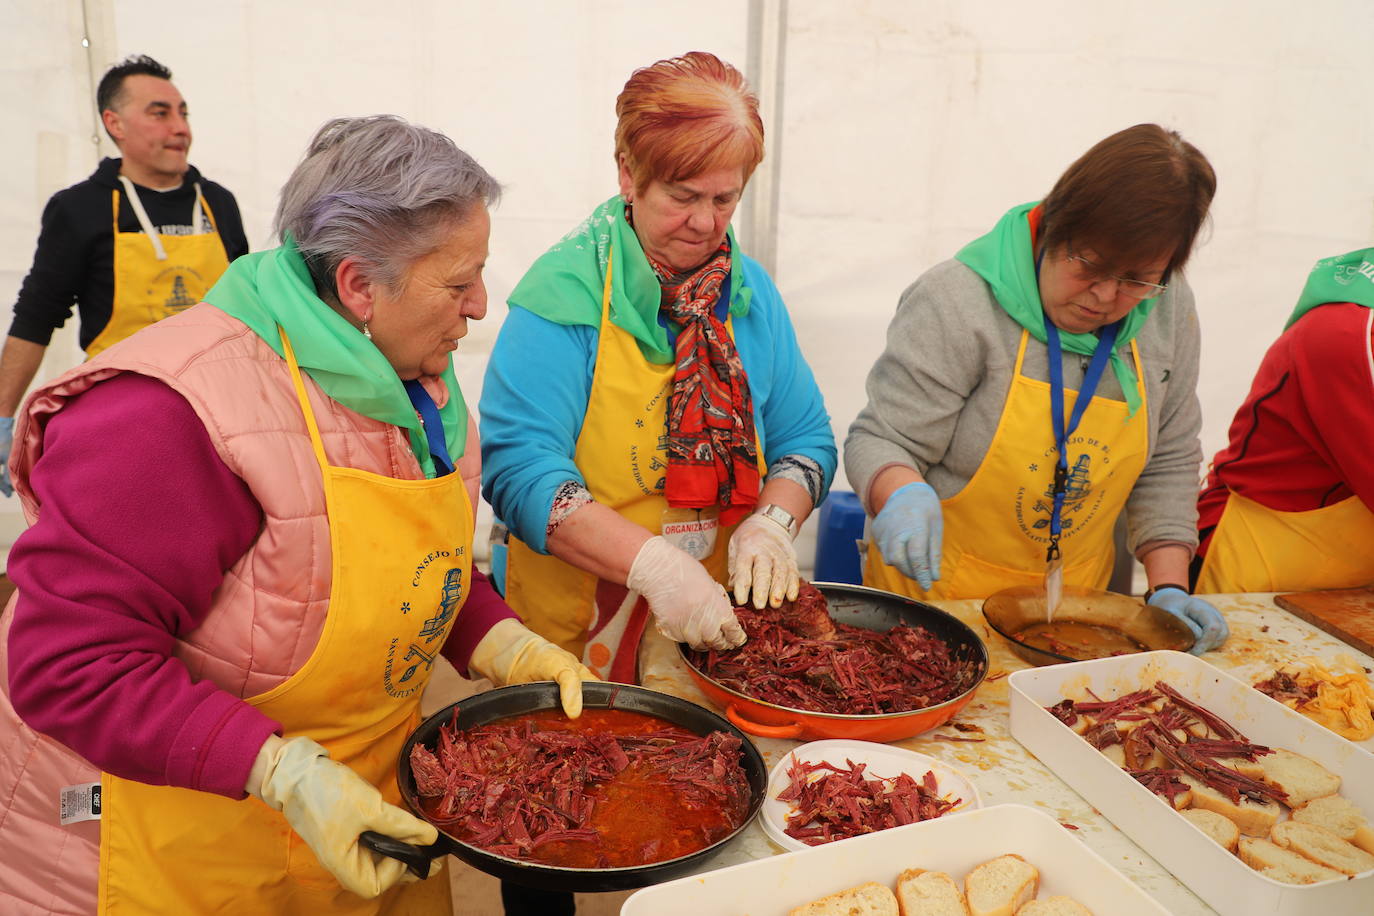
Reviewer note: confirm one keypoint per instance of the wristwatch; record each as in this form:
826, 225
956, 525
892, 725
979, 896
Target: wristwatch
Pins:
781, 516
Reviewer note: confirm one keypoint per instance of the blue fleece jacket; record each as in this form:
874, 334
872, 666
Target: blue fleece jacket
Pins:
539, 378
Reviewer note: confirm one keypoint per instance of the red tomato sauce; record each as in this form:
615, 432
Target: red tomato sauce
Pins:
659, 807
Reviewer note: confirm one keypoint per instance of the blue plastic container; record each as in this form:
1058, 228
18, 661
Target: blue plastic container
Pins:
841, 527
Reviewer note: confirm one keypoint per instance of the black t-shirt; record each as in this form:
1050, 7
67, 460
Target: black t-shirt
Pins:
74, 262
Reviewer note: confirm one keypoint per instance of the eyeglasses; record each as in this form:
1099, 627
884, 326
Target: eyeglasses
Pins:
1135, 289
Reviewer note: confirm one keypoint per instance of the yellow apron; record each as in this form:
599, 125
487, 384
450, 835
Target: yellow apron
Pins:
997, 526
401, 566
623, 455
1258, 549
155, 275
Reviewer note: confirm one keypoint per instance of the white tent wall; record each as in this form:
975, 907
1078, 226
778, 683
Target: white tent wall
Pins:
907, 129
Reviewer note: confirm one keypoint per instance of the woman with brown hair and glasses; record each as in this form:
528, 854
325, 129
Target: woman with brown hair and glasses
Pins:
976, 457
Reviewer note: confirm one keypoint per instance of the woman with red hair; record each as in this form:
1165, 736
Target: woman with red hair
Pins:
652, 429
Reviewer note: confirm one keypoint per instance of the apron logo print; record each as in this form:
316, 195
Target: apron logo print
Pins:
1079, 485
179, 300
422, 650
425, 658
451, 596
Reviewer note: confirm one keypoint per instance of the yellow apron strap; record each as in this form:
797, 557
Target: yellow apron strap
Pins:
315, 440
1021, 353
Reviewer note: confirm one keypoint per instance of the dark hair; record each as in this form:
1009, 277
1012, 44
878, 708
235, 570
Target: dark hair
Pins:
1136, 196
111, 88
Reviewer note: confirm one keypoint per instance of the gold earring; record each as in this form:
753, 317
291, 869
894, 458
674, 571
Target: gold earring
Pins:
366, 332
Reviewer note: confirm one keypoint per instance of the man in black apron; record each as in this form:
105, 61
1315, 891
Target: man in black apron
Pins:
143, 238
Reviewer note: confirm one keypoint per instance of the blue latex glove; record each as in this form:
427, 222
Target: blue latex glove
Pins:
6, 443
910, 531
1206, 622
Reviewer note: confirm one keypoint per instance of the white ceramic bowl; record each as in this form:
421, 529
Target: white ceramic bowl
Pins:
881, 760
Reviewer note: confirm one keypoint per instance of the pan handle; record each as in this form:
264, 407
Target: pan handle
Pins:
759, 729
417, 858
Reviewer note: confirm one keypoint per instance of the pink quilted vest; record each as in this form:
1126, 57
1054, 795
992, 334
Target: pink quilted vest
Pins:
266, 616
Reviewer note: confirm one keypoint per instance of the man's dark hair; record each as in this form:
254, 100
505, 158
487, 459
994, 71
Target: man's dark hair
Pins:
112, 83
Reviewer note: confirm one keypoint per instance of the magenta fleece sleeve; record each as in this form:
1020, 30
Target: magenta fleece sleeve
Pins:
127, 552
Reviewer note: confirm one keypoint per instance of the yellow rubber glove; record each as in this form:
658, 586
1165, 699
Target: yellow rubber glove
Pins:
329, 805
511, 653
761, 558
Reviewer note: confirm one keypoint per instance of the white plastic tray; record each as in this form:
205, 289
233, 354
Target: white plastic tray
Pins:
883, 762
773, 886
1215, 875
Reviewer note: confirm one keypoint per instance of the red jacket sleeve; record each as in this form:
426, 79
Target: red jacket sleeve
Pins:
1335, 377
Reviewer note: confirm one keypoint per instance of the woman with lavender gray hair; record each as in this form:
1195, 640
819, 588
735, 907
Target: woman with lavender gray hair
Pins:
251, 530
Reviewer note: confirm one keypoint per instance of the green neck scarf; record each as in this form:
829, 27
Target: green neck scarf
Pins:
1005, 258
272, 288
565, 285
1344, 278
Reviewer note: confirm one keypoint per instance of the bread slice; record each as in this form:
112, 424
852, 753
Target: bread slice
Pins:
871, 899
1281, 864
1341, 816
1323, 847
1058, 905
1253, 818
1116, 754
1000, 887
1300, 778
1250, 768
929, 893
1217, 826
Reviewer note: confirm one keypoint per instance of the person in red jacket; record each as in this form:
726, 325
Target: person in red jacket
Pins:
1287, 505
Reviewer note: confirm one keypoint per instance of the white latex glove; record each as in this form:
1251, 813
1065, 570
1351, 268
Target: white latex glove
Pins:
329, 805
688, 605
510, 653
761, 558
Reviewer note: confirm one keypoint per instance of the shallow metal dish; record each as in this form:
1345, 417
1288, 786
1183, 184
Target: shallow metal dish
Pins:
1013, 611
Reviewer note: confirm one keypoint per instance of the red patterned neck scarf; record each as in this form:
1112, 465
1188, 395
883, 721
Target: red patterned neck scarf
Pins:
712, 458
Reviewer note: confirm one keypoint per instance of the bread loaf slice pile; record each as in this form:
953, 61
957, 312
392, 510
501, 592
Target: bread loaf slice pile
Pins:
1004, 886
1279, 811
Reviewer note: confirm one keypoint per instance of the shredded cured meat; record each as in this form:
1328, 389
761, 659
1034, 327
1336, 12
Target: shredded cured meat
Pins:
1160, 724
797, 656
610, 789
843, 802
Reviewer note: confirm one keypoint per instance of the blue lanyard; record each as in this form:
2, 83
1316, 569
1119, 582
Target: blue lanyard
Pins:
1101, 355
434, 426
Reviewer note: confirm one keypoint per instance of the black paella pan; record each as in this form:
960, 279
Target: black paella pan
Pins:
505, 702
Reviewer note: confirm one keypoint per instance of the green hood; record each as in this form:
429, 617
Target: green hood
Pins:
1005, 258
566, 283
1345, 278
270, 289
